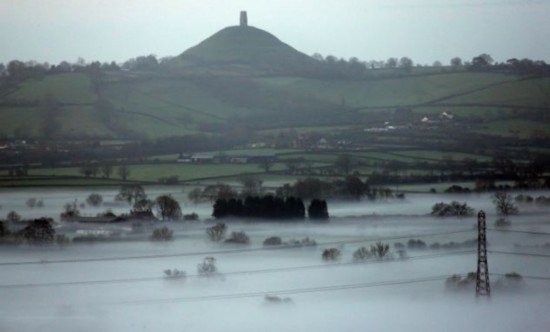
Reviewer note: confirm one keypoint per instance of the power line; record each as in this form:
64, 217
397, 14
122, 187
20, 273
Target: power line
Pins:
525, 277
223, 252
261, 271
517, 231
518, 253
331, 288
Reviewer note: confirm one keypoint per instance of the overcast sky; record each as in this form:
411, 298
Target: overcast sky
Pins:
424, 30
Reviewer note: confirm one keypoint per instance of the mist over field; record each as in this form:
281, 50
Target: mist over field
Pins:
116, 286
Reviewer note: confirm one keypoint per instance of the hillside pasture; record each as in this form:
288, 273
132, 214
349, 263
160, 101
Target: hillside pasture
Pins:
75, 88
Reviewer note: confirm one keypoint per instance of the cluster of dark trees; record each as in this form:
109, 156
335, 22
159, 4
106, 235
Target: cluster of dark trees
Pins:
37, 231
269, 207
351, 187
452, 209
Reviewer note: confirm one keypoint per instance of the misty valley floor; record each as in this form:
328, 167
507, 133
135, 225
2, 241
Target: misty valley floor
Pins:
120, 286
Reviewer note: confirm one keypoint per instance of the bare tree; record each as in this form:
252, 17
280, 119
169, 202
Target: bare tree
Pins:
504, 203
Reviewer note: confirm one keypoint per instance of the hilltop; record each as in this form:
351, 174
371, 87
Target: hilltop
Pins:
246, 48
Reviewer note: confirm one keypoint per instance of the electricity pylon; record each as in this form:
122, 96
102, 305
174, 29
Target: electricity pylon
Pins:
482, 279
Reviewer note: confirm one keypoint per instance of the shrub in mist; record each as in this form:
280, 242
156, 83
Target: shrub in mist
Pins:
191, 217
39, 231
13, 216
106, 214
174, 274
305, 242
416, 244
207, 267
453, 209
381, 251
216, 233
33, 202
273, 241
510, 281
458, 282
238, 237
94, 200
331, 254
71, 211
162, 234
362, 254
274, 299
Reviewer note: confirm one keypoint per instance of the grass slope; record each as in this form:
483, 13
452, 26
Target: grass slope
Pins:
66, 88
244, 45
155, 106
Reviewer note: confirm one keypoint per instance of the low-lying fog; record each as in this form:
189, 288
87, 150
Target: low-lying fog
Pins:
120, 286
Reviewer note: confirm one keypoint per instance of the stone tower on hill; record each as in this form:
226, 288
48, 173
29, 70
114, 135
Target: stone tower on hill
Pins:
244, 19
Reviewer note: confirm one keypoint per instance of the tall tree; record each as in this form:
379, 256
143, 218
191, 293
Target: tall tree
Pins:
168, 208
391, 63
456, 62
504, 204
406, 63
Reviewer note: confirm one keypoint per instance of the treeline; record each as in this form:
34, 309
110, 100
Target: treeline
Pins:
484, 62
329, 67
18, 70
351, 188
269, 207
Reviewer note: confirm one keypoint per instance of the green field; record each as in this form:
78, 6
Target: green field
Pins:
154, 106
152, 172
66, 88
388, 92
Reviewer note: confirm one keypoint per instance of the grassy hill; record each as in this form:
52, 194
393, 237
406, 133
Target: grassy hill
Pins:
160, 106
242, 49
245, 45
245, 78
